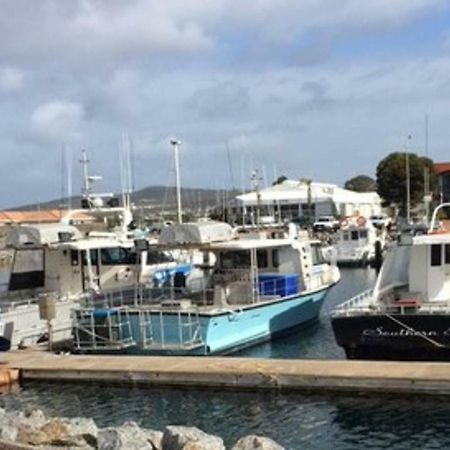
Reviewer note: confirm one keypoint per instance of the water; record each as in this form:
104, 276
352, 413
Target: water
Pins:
295, 420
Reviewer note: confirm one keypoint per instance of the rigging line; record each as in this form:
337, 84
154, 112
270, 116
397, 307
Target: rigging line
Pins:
416, 333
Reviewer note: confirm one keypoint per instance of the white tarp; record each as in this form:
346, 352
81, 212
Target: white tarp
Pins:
196, 233
43, 234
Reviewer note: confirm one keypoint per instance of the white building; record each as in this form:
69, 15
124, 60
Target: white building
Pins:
291, 199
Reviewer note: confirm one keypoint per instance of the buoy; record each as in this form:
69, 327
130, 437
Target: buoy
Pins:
361, 221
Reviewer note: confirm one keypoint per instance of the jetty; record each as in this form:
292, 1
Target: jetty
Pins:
231, 372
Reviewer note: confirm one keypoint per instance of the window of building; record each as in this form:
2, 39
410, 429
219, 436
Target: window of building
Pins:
355, 235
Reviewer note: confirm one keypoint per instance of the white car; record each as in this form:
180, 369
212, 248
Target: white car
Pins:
326, 223
380, 220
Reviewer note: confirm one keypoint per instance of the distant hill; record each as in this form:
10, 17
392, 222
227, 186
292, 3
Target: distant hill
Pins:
164, 197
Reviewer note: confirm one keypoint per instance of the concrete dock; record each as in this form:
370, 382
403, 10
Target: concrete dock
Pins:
233, 373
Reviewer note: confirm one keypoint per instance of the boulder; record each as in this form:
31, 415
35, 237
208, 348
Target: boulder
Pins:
253, 442
190, 438
126, 437
155, 438
82, 428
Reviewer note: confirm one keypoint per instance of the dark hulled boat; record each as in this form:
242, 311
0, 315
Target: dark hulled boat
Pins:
407, 314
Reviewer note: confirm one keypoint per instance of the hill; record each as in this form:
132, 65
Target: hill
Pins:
155, 197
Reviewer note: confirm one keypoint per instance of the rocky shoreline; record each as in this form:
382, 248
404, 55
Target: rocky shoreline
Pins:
32, 430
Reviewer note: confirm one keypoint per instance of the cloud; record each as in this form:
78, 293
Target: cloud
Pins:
221, 100
11, 79
88, 31
57, 121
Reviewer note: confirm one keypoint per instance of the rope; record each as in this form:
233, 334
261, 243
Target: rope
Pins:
416, 333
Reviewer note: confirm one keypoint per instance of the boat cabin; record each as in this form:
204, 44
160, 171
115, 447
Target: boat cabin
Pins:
58, 258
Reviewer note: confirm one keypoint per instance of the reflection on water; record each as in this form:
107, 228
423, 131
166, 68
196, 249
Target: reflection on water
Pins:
295, 420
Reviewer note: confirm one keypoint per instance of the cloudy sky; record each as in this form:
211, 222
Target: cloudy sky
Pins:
303, 88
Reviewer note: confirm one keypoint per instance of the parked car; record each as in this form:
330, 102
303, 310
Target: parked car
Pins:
326, 223
380, 220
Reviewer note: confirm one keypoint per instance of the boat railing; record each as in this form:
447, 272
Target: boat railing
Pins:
102, 329
356, 304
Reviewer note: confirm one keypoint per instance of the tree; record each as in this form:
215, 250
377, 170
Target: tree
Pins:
361, 183
279, 180
391, 179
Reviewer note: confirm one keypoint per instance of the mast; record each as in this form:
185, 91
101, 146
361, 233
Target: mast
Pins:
175, 143
408, 183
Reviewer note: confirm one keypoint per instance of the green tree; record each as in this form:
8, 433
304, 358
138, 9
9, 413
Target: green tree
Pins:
361, 183
391, 179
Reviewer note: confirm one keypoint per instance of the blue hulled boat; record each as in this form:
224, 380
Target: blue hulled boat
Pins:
257, 287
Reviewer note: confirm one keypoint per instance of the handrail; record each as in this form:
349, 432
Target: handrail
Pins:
433, 217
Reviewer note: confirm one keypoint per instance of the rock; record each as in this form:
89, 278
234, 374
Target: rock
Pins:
127, 437
82, 428
8, 431
190, 438
8, 426
34, 418
253, 442
155, 438
53, 432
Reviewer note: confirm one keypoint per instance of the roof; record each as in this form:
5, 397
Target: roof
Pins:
441, 168
44, 216
291, 190
248, 244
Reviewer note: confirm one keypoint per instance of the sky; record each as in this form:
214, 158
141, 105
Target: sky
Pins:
319, 89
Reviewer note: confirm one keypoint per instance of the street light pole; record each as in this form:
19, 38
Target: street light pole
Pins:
175, 145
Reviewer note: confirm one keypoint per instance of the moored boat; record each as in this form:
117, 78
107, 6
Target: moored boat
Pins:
358, 241
258, 287
406, 316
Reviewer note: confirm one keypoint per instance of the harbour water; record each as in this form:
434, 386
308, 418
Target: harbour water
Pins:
295, 420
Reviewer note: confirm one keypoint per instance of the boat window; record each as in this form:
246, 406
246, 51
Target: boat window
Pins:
233, 260
436, 255
157, 257
447, 254
317, 255
275, 258
363, 234
345, 235
262, 258
74, 257
355, 235
28, 270
94, 257
117, 256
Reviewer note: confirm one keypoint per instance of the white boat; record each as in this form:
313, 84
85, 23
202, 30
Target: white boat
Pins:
406, 316
59, 263
258, 287
356, 242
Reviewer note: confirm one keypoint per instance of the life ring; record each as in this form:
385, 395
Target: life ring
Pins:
343, 221
361, 221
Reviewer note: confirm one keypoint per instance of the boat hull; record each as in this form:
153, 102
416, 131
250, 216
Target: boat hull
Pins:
221, 332
397, 337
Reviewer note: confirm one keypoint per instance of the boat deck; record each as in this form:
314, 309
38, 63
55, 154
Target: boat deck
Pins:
234, 373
